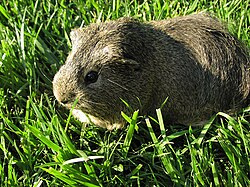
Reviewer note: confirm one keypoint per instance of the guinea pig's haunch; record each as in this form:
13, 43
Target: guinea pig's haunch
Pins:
191, 60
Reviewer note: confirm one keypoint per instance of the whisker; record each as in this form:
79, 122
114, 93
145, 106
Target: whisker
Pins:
118, 84
100, 70
90, 102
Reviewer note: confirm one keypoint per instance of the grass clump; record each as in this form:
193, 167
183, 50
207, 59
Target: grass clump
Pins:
42, 145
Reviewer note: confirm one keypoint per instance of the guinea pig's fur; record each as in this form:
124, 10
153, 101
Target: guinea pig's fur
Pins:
191, 60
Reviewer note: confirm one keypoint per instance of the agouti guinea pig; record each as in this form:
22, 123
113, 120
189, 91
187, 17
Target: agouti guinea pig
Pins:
191, 60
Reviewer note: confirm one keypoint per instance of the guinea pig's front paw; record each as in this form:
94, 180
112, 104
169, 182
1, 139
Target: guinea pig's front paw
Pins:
114, 126
82, 117
86, 118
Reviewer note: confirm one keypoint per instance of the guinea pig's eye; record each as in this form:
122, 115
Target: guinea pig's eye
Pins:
91, 77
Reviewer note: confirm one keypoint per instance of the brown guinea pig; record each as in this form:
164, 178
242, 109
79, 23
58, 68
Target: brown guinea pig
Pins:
191, 60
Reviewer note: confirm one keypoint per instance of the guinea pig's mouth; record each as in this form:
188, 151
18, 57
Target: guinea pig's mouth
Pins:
90, 112
89, 119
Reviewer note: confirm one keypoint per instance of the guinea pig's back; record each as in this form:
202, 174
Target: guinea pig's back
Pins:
218, 78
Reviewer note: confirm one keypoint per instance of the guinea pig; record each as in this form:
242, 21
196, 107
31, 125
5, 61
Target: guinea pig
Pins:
191, 60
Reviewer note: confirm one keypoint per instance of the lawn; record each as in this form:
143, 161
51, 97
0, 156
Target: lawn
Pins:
43, 145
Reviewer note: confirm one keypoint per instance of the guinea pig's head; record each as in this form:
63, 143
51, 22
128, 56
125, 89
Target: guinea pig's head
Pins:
109, 62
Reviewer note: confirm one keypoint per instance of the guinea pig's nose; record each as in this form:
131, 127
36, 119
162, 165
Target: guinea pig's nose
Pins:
64, 101
62, 96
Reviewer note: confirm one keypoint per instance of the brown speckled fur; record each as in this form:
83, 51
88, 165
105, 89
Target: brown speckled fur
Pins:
192, 60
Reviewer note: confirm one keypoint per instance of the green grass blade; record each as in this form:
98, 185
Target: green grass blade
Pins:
43, 138
4, 12
130, 133
172, 172
161, 123
136, 170
204, 131
69, 180
215, 174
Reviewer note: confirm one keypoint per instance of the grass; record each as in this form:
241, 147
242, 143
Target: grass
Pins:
42, 145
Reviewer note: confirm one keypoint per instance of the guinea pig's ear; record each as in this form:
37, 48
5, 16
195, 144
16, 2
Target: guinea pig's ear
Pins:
75, 36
